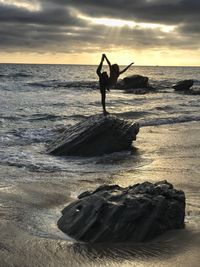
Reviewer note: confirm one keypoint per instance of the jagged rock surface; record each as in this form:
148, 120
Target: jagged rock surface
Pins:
95, 136
183, 85
115, 214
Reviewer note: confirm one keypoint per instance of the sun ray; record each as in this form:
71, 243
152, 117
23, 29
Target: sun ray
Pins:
118, 23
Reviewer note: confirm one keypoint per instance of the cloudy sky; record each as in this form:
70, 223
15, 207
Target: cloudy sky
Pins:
148, 32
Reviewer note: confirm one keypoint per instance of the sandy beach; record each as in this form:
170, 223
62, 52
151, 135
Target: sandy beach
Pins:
29, 210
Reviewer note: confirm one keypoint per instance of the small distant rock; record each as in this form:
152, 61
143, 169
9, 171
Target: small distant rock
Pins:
95, 136
183, 85
115, 214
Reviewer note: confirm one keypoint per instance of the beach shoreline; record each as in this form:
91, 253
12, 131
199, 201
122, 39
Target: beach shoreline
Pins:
29, 210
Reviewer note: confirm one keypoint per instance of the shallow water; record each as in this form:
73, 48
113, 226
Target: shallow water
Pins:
36, 104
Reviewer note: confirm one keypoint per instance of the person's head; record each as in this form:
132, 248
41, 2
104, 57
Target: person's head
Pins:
104, 75
115, 68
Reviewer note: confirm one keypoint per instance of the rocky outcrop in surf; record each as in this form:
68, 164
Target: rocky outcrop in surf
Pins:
136, 81
95, 136
184, 85
115, 214
137, 84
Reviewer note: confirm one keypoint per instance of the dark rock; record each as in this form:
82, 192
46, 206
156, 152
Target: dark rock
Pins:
138, 91
192, 92
195, 90
120, 85
183, 85
136, 81
115, 214
135, 84
94, 136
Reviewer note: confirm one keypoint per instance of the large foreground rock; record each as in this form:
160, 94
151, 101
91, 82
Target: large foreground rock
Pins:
183, 85
94, 136
115, 214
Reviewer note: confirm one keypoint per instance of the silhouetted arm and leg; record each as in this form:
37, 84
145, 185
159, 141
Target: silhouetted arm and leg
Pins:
108, 62
102, 83
98, 71
103, 101
122, 71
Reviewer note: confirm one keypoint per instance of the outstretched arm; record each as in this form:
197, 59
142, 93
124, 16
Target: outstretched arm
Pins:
98, 71
122, 71
107, 60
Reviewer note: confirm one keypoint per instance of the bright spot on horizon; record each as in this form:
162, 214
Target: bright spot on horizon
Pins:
34, 6
118, 23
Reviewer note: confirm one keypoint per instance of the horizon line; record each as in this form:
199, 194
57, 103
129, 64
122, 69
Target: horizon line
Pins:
83, 64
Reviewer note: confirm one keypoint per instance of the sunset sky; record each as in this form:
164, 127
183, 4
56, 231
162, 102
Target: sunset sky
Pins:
148, 32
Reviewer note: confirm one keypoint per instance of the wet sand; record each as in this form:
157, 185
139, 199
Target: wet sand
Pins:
29, 210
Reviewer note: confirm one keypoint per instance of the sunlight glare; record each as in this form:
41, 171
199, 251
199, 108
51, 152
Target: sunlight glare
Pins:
131, 24
113, 22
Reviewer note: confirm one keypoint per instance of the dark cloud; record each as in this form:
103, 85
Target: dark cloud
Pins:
56, 27
50, 16
165, 12
51, 28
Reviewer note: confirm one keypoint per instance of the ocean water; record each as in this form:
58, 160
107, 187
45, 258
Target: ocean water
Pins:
36, 103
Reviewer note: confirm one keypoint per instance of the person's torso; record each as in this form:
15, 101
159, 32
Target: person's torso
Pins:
104, 82
112, 81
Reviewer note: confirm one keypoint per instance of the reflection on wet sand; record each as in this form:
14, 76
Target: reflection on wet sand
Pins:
29, 211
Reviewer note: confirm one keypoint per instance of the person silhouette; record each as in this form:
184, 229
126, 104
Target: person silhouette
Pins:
103, 84
115, 72
106, 82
